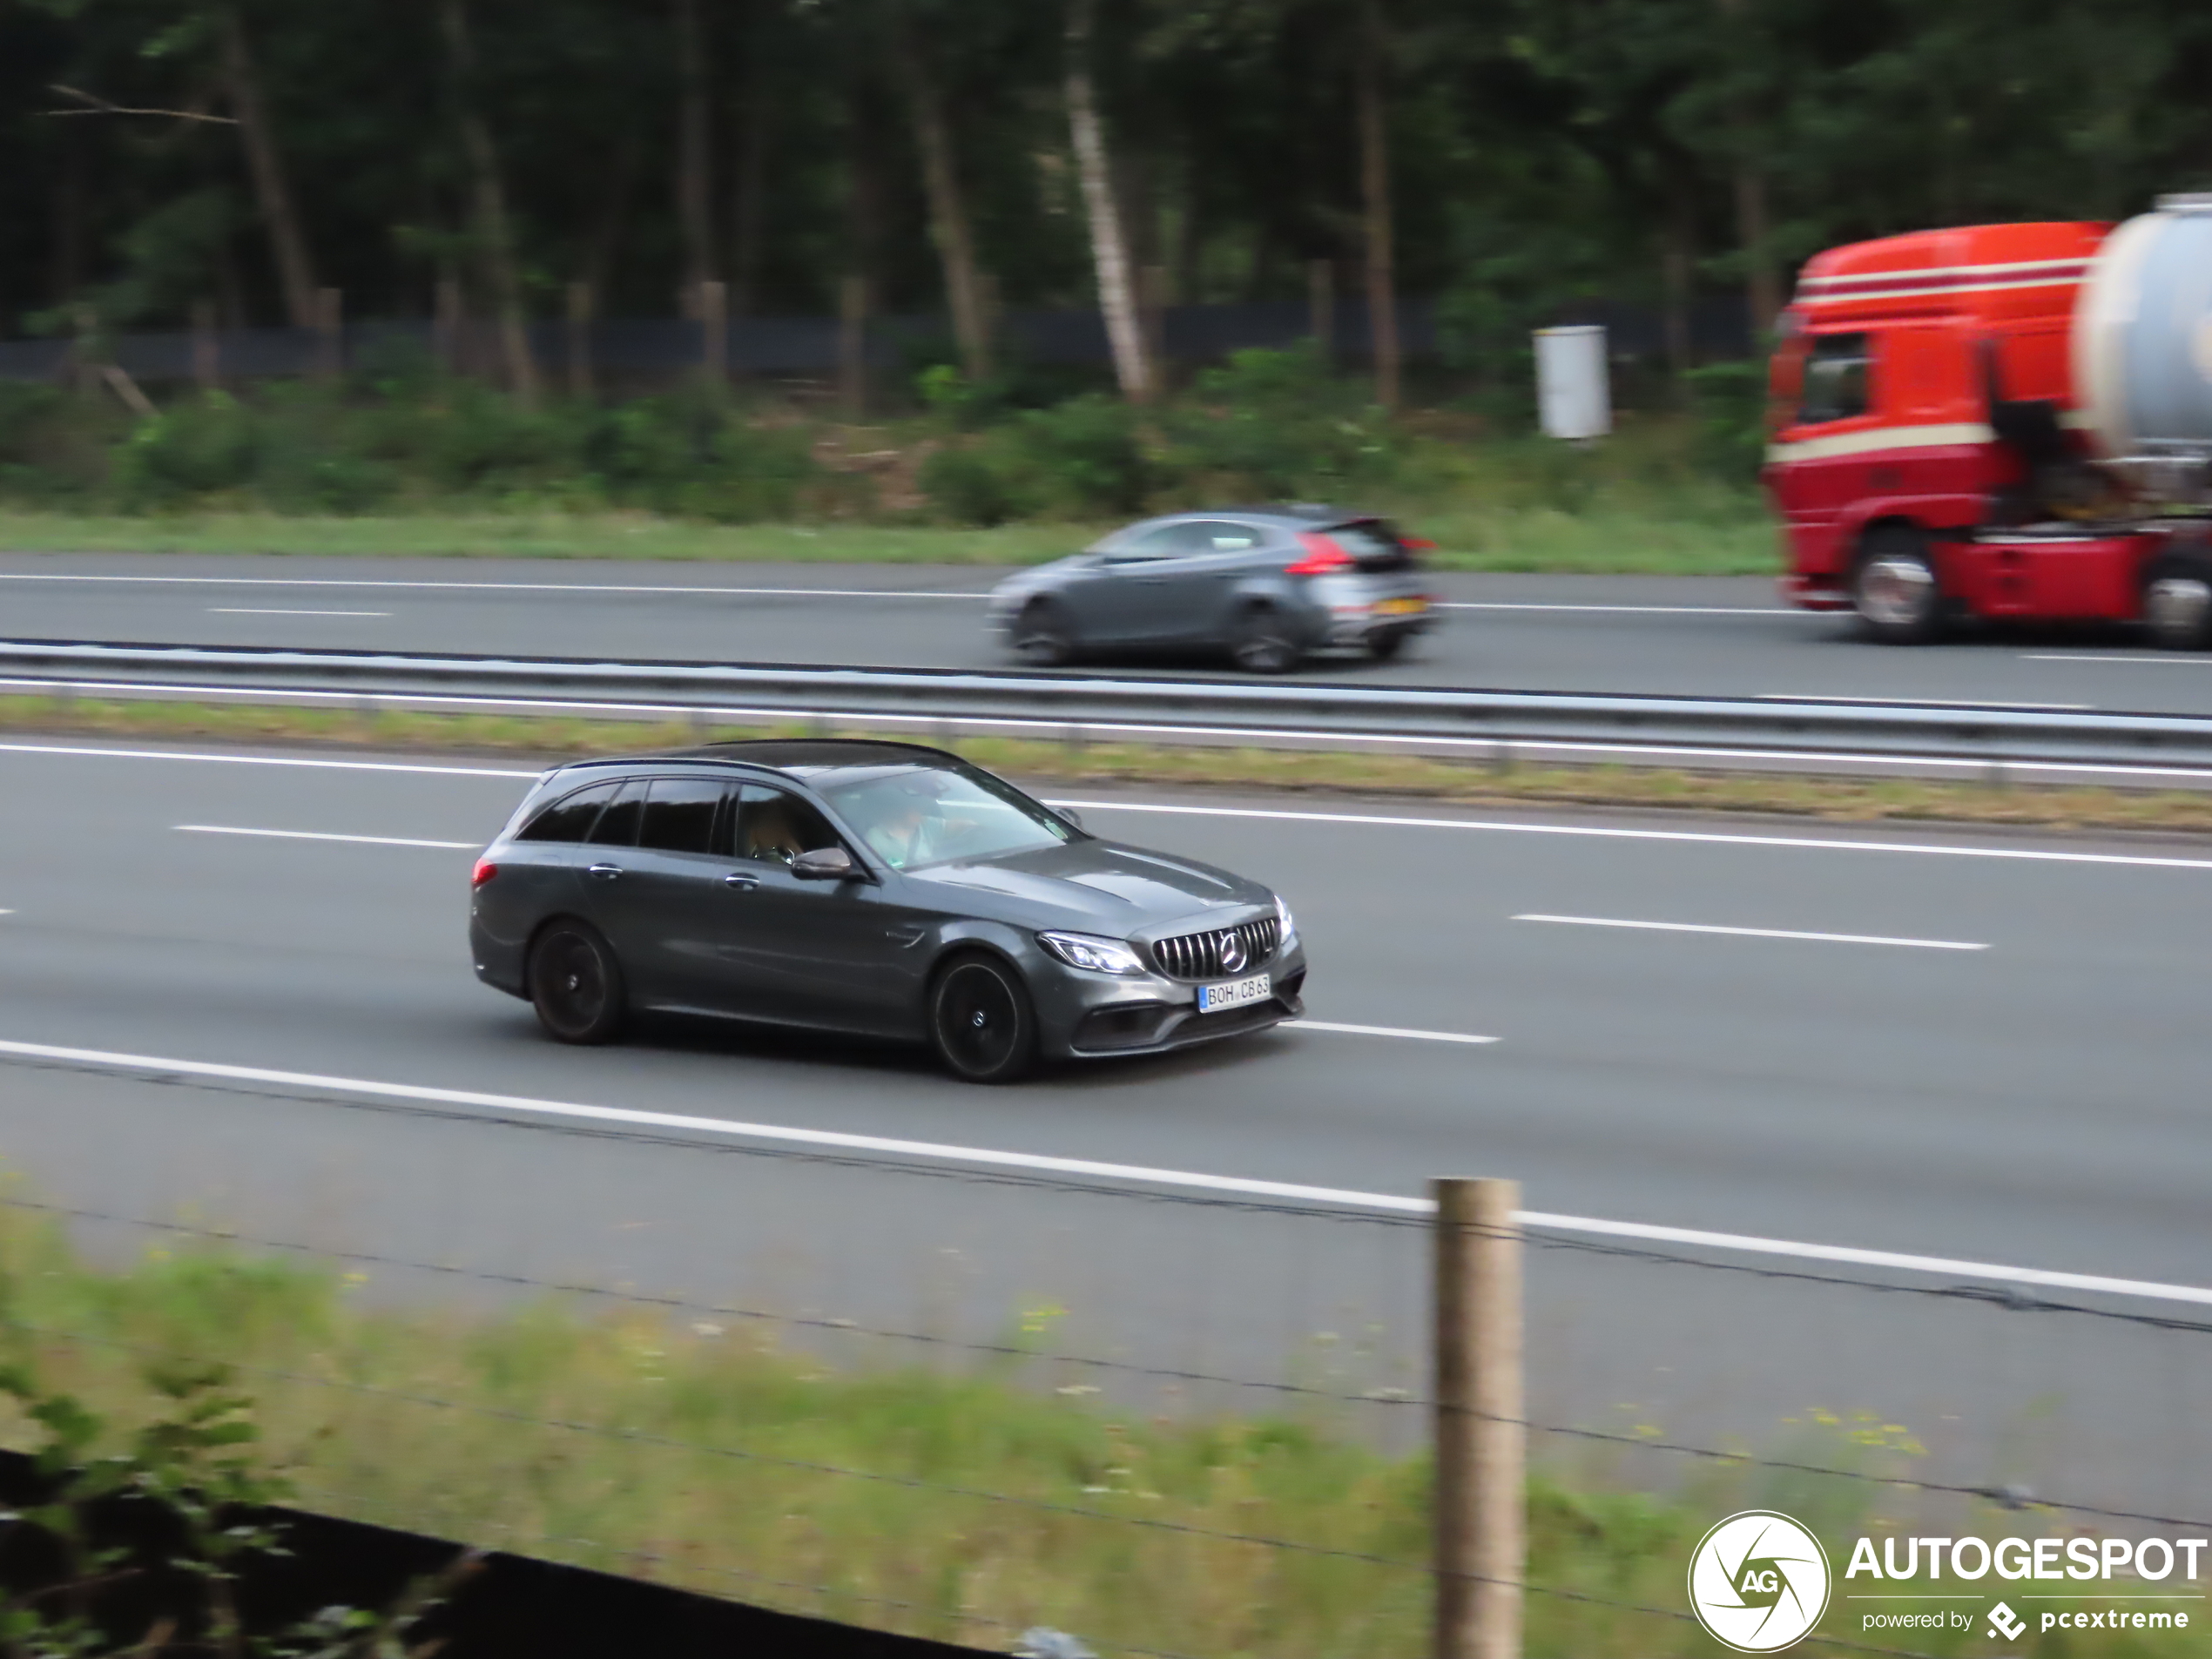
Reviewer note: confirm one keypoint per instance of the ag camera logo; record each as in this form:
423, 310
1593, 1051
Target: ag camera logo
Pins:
1758, 1581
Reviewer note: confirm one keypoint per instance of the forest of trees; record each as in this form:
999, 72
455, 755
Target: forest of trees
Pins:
1510, 158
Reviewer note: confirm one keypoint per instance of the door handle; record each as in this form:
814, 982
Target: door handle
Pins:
604, 871
742, 883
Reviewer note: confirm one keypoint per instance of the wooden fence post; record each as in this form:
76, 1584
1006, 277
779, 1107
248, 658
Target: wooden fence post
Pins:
1481, 1452
445, 327
1321, 304
330, 332
852, 346
714, 332
577, 344
206, 347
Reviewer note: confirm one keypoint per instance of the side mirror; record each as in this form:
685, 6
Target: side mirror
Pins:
825, 864
1073, 818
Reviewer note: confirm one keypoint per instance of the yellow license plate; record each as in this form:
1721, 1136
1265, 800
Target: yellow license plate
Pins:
1401, 607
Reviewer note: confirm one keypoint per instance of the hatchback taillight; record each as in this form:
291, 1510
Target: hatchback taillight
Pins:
1322, 556
485, 870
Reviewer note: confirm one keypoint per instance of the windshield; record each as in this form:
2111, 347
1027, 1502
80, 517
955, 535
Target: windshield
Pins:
913, 815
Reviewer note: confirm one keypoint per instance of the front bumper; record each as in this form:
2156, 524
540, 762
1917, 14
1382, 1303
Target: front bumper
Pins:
1085, 1017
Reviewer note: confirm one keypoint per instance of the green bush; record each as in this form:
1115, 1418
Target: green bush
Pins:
1085, 455
1729, 402
1277, 424
969, 487
195, 449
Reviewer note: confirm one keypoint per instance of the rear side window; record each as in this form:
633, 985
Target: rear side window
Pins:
1838, 379
569, 818
775, 828
679, 814
617, 826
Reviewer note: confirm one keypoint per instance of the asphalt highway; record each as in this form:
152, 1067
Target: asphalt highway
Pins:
1690, 636
1972, 1046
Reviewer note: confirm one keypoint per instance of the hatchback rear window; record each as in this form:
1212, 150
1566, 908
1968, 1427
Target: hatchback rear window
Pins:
1370, 539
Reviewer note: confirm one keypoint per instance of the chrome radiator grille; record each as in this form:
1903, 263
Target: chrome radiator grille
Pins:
1204, 955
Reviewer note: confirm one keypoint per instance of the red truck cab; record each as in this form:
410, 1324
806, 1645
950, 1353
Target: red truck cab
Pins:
1927, 455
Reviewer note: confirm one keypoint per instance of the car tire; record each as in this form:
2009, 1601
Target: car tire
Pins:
2177, 601
1389, 646
982, 1021
1261, 642
1894, 589
1043, 636
576, 983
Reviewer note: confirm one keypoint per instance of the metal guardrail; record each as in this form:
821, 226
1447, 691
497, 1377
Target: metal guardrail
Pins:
1076, 702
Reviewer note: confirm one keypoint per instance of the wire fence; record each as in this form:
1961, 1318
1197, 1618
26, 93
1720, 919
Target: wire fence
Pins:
1173, 1421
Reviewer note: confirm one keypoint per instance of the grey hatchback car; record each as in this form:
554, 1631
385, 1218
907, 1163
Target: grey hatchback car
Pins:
1267, 585
881, 888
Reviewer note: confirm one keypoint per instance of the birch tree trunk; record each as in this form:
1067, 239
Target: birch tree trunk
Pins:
693, 176
1109, 254
1375, 202
272, 190
489, 205
949, 223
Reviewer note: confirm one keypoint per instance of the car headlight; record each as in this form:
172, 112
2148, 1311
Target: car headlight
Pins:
1090, 952
1290, 925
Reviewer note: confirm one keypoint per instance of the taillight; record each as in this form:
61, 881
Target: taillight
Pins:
485, 870
1417, 543
1323, 556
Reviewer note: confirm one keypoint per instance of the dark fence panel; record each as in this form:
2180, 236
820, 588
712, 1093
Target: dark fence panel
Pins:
660, 349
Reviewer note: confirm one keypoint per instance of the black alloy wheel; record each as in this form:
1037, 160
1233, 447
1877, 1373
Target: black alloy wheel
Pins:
1261, 643
982, 1021
1893, 587
576, 983
2177, 601
1043, 638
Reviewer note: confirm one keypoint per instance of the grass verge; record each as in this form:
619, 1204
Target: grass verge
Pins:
545, 739
963, 1506
1527, 538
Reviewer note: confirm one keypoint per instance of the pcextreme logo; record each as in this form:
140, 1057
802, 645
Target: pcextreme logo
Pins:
1758, 1581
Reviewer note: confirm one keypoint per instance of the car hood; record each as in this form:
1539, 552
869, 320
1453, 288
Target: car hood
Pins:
1038, 576
1090, 886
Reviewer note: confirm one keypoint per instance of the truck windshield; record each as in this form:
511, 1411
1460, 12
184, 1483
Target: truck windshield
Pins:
1835, 379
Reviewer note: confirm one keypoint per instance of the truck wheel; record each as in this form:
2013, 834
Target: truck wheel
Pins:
1894, 589
2177, 603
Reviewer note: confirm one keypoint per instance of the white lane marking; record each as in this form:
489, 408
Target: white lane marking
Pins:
1386, 1031
1753, 933
273, 611
1823, 758
1919, 702
2178, 659
323, 835
492, 587
1391, 1203
1608, 833
1633, 611
263, 760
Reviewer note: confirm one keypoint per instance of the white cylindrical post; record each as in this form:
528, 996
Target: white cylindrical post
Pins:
1574, 397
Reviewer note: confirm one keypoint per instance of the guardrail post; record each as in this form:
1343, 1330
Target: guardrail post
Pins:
1481, 1452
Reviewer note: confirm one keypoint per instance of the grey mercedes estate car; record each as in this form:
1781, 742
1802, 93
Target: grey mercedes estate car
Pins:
1269, 586
882, 889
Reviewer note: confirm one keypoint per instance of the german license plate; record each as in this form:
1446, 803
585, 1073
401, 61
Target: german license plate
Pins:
1236, 993
1401, 607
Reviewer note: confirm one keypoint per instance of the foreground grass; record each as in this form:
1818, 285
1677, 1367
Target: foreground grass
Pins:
963, 1506
544, 739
